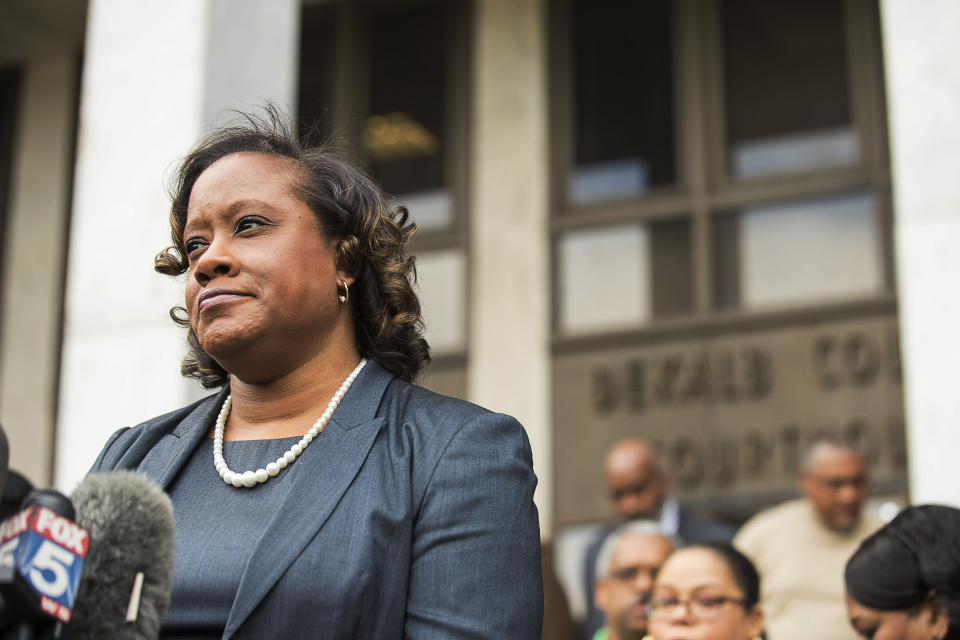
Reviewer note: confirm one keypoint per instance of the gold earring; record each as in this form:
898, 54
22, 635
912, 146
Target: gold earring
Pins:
344, 297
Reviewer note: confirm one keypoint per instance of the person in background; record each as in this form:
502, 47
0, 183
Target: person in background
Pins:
801, 546
708, 591
639, 489
626, 568
903, 582
14, 486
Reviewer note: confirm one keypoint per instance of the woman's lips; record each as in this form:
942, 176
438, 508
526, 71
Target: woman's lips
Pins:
213, 298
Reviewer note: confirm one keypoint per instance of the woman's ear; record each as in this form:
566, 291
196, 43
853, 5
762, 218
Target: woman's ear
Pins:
346, 251
345, 277
935, 619
755, 622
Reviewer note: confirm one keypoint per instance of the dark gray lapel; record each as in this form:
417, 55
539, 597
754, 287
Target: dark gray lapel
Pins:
165, 459
331, 462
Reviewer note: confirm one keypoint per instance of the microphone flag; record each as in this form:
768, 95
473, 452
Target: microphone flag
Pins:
41, 560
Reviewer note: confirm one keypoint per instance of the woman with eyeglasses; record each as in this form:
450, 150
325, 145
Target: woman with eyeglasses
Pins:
707, 591
903, 583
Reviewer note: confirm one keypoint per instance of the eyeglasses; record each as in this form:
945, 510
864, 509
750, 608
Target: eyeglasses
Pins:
629, 574
836, 484
700, 607
622, 492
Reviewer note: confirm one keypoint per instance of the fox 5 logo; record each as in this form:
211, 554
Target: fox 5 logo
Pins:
48, 551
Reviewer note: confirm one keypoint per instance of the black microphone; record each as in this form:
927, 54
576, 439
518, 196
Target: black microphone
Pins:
42, 553
128, 573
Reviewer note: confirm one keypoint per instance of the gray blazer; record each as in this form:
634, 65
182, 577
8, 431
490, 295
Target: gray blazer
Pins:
416, 520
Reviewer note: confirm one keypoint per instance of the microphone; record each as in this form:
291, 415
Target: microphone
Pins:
42, 553
128, 575
109, 574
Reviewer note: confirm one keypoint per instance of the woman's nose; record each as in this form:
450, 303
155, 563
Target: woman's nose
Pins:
216, 260
681, 614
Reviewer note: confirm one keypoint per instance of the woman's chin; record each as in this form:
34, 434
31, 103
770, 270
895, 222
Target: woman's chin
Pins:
227, 346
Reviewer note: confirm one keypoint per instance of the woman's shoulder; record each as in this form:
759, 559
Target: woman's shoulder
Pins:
450, 444
127, 441
431, 419
409, 399
415, 406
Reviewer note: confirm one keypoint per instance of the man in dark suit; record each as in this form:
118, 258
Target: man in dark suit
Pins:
639, 487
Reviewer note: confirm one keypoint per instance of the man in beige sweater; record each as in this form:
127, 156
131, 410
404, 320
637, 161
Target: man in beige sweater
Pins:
800, 547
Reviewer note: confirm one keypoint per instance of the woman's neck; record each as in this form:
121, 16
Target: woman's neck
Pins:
289, 405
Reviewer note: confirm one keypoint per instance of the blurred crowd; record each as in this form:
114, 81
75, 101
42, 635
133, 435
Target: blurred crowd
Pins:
819, 566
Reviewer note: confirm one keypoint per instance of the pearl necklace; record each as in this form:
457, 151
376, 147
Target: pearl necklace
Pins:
253, 478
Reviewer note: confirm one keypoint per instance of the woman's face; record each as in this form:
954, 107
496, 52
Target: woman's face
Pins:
262, 280
927, 622
695, 598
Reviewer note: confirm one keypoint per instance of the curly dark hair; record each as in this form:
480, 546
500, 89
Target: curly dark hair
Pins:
373, 232
915, 554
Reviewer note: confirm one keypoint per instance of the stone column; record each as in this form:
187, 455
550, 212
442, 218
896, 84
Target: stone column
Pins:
157, 74
922, 50
33, 261
509, 345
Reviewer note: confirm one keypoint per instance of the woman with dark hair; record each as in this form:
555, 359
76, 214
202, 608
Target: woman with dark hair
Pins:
319, 493
903, 583
706, 591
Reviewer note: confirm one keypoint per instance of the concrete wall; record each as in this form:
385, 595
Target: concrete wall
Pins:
923, 88
33, 262
157, 74
509, 356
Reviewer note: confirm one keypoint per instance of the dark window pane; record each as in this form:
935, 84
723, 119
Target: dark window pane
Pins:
623, 99
317, 64
401, 103
726, 261
672, 276
785, 78
405, 136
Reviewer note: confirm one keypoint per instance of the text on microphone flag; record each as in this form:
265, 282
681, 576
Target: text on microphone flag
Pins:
64, 532
48, 551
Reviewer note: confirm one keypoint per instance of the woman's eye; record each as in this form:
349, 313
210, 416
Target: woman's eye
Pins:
193, 245
664, 601
249, 222
710, 601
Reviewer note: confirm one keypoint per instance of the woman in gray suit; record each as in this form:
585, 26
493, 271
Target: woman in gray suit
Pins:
320, 494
